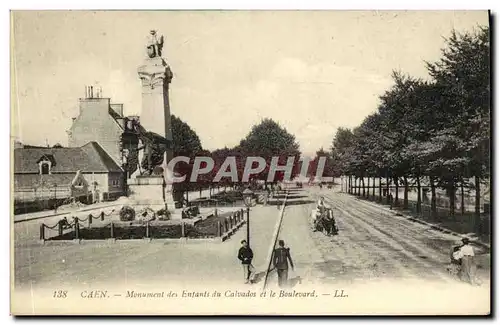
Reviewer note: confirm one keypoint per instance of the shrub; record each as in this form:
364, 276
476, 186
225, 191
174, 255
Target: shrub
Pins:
163, 215
127, 213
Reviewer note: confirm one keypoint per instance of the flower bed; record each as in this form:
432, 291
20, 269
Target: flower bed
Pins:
211, 227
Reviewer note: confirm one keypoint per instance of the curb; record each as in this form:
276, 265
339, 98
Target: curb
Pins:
232, 231
432, 226
275, 238
67, 213
143, 240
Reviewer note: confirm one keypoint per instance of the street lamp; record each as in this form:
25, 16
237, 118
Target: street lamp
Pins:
247, 199
55, 197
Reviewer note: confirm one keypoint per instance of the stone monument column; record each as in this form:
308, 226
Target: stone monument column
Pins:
155, 76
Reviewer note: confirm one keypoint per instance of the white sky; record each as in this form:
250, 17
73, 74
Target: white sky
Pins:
310, 71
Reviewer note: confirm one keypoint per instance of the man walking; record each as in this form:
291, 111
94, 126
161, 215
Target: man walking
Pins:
245, 255
281, 257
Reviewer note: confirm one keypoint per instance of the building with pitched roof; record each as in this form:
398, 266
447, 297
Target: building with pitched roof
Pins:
102, 145
49, 173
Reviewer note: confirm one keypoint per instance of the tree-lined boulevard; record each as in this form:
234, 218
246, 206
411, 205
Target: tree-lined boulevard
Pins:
372, 243
401, 182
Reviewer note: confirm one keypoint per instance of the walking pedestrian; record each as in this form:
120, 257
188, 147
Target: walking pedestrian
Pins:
281, 257
466, 256
245, 255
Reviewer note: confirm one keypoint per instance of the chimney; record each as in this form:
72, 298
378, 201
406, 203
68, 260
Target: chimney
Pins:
93, 92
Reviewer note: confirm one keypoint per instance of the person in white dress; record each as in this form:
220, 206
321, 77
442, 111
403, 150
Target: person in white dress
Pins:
466, 257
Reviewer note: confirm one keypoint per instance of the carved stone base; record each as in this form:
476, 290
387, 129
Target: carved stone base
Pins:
149, 191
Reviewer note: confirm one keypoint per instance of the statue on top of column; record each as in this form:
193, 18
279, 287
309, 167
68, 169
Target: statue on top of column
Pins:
155, 44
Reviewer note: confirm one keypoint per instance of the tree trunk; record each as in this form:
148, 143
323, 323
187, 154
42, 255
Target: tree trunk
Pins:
451, 191
380, 188
419, 195
349, 185
373, 190
433, 197
363, 184
368, 188
387, 188
405, 199
396, 198
462, 203
477, 208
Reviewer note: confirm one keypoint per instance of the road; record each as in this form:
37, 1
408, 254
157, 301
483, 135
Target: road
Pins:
383, 263
371, 244
136, 262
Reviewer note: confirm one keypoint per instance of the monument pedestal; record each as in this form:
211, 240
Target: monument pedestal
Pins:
149, 192
155, 75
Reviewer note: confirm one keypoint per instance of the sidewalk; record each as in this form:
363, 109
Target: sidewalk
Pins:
262, 227
401, 213
52, 213
191, 264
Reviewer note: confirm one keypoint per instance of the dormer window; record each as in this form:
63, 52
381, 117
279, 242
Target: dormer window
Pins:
45, 167
45, 164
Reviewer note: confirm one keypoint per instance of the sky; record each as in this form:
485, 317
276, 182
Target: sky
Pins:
310, 71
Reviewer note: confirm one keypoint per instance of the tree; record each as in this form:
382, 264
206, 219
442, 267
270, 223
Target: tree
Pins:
185, 143
438, 129
185, 140
329, 169
267, 140
463, 73
342, 149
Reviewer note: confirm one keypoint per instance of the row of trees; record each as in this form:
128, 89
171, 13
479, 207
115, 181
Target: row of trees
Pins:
267, 139
433, 133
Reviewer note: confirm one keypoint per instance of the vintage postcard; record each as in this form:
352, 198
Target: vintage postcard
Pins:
250, 162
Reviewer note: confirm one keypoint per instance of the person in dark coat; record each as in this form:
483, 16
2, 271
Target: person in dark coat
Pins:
245, 255
281, 256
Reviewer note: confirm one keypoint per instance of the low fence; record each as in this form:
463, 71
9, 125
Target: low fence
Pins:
442, 201
76, 224
37, 205
31, 194
214, 226
51, 203
231, 224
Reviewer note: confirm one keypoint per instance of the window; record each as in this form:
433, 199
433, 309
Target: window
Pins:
44, 168
115, 182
